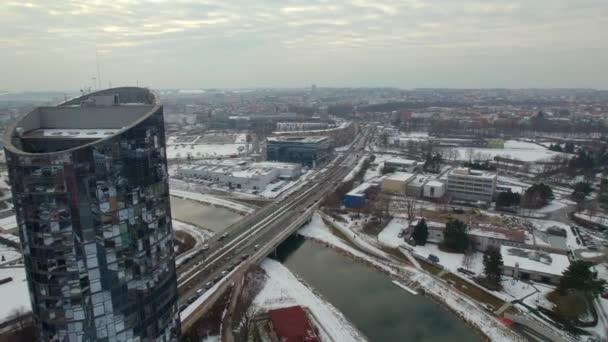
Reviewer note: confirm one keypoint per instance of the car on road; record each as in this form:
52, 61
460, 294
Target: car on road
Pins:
208, 285
433, 258
205, 247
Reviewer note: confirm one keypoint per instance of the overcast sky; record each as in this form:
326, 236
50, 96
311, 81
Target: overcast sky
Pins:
51, 45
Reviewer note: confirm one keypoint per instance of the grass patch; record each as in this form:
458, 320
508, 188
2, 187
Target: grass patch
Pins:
473, 291
429, 267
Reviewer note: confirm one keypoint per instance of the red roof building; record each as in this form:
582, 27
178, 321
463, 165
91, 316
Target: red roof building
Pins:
291, 324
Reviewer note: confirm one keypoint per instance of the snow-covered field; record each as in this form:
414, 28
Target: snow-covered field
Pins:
209, 199
520, 150
283, 289
389, 235
14, 294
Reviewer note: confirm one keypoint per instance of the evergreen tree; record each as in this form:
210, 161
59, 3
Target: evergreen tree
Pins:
421, 233
492, 262
579, 277
455, 237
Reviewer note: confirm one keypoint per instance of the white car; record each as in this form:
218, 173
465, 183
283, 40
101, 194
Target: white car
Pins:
205, 247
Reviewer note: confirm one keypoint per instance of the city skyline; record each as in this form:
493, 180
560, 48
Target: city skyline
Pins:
358, 43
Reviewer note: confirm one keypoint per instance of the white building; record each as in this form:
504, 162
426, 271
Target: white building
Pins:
471, 185
241, 174
527, 264
416, 185
434, 189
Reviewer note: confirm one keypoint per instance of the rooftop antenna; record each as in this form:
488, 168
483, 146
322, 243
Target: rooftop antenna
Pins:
97, 62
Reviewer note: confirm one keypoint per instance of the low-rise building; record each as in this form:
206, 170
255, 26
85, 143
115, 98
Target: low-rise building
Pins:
241, 174
400, 164
471, 185
434, 189
396, 183
415, 186
357, 196
308, 151
528, 264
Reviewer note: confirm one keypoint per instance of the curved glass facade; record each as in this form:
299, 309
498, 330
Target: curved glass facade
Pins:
95, 225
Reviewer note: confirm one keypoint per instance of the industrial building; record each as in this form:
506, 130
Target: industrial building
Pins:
241, 174
308, 151
90, 188
357, 196
471, 185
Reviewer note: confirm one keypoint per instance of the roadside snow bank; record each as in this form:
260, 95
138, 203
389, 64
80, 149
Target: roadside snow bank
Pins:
283, 289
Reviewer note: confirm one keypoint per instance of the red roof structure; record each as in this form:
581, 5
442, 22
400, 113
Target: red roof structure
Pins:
291, 324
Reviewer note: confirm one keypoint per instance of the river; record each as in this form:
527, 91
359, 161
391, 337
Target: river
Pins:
205, 216
368, 298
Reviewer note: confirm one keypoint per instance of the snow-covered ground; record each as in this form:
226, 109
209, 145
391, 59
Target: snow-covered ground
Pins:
389, 235
452, 261
283, 289
553, 206
14, 294
597, 218
519, 150
209, 199
200, 236
351, 175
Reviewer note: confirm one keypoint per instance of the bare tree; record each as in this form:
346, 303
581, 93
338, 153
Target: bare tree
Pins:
411, 208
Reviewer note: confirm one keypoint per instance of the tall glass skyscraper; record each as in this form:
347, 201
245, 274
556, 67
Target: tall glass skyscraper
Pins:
90, 188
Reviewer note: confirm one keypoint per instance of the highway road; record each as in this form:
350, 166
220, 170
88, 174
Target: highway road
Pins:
233, 245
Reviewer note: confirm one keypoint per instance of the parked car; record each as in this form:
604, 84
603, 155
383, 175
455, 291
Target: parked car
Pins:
433, 258
208, 285
244, 256
256, 247
401, 233
225, 235
224, 273
205, 247
200, 291
465, 271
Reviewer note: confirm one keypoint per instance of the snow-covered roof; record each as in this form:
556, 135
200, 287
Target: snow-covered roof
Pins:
401, 176
434, 183
360, 189
402, 161
527, 259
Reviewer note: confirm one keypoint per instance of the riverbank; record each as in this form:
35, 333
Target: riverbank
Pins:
482, 322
